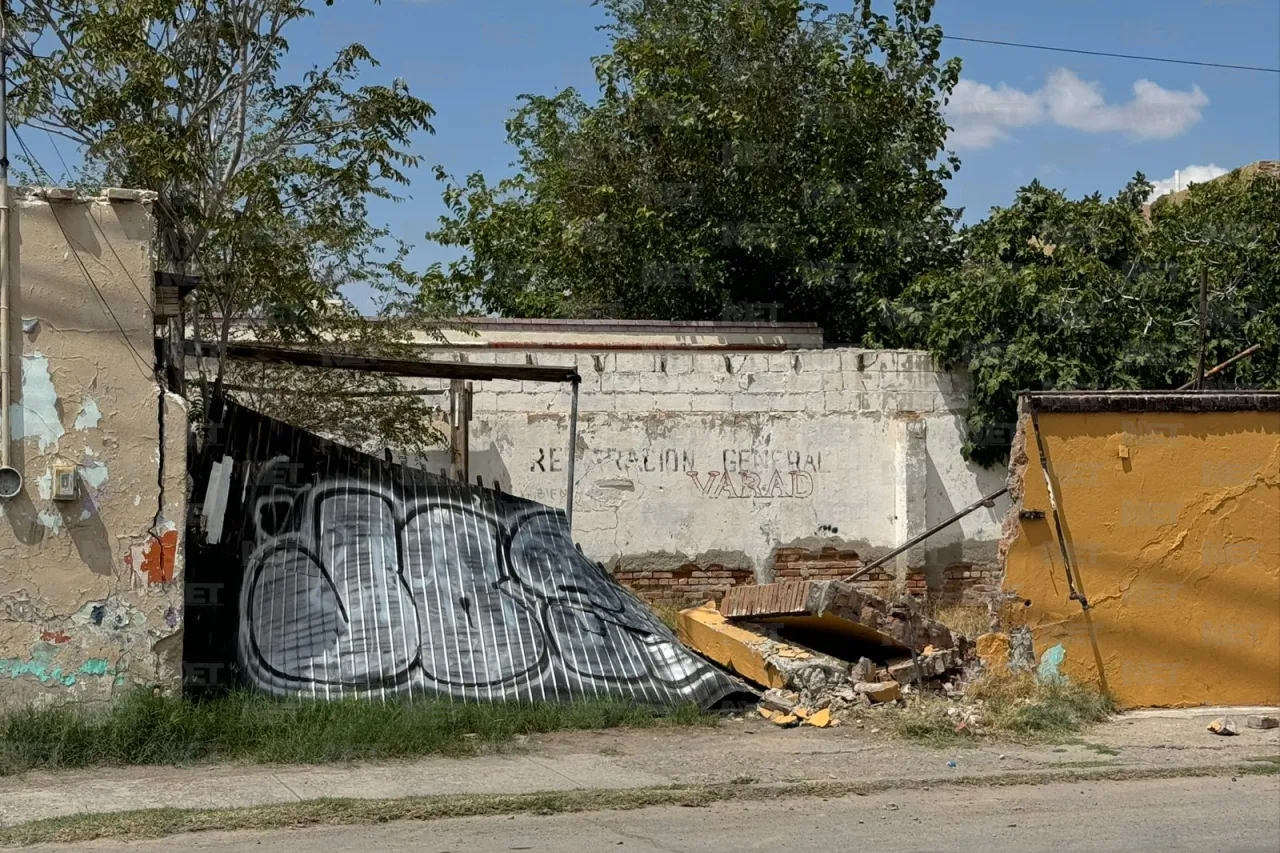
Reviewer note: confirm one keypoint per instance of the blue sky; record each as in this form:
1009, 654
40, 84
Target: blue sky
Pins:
1075, 122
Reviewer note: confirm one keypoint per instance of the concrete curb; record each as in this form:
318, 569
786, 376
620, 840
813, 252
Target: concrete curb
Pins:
156, 823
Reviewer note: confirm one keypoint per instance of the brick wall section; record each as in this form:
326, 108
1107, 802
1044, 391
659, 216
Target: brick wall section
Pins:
826, 564
685, 586
970, 584
962, 584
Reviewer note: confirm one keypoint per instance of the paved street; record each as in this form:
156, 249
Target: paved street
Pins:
1215, 815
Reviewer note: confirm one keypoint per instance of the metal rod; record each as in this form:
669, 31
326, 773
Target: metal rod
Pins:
1223, 366
986, 501
1053, 504
573, 447
6, 391
1204, 326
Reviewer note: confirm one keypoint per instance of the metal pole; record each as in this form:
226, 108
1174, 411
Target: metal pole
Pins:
573, 447
1204, 326
986, 501
10, 480
1075, 595
1223, 366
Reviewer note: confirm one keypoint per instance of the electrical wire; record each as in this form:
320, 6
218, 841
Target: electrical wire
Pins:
147, 369
1203, 64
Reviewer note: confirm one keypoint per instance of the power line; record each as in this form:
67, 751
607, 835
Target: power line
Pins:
147, 369
1116, 55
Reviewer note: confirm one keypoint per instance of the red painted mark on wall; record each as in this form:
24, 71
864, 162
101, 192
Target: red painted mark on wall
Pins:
55, 637
158, 557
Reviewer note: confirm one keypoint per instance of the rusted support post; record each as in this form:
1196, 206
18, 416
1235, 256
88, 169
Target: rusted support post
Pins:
573, 454
459, 430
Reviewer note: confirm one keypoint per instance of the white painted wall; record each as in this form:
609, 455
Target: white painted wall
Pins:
741, 453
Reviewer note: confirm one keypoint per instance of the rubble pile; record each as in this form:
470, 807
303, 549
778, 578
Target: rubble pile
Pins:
823, 649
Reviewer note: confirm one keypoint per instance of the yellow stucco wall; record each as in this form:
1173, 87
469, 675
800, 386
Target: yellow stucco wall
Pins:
1173, 524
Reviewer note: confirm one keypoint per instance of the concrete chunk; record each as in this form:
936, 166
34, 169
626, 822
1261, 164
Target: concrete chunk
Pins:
884, 691
835, 609
1262, 722
750, 651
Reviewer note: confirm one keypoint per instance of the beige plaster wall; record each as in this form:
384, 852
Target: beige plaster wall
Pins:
90, 589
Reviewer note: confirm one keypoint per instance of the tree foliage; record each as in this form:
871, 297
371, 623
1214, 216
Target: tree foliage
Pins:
264, 179
1059, 294
740, 151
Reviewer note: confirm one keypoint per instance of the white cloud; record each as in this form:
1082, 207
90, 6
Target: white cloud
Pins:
1186, 177
1154, 112
981, 115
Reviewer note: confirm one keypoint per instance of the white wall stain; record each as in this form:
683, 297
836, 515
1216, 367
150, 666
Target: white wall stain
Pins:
51, 520
94, 474
37, 416
44, 485
89, 416
137, 499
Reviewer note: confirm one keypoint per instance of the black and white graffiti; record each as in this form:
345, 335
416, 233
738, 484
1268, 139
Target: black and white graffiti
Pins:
368, 579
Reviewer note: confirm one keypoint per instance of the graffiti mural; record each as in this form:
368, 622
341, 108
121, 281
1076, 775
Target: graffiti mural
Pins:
358, 577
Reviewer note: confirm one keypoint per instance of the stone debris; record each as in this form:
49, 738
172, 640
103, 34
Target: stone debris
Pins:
776, 699
879, 691
932, 665
1262, 722
821, 719
751, 632
1223, 726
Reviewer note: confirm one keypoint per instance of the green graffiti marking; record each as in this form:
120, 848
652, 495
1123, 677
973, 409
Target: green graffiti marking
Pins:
39, 668
1050, 663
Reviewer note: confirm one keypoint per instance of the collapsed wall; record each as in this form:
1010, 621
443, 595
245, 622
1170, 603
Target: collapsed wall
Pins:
338, 575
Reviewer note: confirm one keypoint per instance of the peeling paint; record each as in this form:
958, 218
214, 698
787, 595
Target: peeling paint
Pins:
37, 416
51, 520
94, 474
44, 485
155, 560
29, 324
89, 416
1051, 663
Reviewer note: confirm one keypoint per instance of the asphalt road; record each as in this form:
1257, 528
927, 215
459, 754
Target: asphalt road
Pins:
1169, 816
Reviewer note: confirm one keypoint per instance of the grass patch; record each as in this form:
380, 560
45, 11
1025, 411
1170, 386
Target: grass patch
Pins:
155, 823
1018, 708
248, 727
667, 613
972, 620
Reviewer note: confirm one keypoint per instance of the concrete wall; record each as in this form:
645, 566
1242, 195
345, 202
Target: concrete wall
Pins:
700, 470
1172, 522
90, 592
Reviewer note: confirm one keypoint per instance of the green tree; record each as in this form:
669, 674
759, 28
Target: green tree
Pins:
264, 180
1059, 294
740, 151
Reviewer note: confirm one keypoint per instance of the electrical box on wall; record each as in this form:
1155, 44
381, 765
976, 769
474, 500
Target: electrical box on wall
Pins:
64, 483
